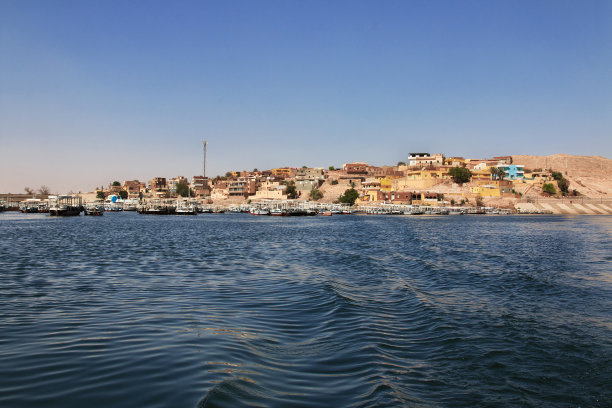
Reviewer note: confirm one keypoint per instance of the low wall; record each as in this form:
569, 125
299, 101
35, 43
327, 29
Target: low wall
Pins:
593, 206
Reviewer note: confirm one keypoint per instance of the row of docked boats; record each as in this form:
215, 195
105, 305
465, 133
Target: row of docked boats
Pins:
294, 212
73, 205
177, 207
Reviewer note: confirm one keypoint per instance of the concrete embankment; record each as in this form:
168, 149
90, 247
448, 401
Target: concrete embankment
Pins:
566, 206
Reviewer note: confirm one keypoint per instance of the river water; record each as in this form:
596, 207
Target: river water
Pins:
232, 310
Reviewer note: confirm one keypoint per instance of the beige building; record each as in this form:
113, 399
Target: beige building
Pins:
425, 159
272, 190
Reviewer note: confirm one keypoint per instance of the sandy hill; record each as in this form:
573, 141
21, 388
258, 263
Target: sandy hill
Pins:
590, 175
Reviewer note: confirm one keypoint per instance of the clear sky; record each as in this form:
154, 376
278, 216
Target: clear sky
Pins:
96, 91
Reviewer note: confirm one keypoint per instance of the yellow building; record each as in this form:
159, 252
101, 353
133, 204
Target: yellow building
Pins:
482, 176
420, 179
369, 190
386, 184
486, 190
427, 199
282, 172
492, 188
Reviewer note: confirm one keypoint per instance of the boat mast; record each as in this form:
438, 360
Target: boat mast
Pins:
204, 143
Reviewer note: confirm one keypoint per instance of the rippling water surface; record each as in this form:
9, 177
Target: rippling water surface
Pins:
128, 310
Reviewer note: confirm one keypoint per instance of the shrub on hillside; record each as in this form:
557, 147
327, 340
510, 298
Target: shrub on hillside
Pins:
549, 188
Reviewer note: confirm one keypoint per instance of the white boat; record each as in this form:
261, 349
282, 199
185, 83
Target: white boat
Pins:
185, 208
259, 211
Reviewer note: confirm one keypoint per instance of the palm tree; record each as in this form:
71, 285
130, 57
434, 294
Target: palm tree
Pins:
497, 173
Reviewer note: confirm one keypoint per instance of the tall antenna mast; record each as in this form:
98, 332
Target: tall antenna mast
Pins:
204, 143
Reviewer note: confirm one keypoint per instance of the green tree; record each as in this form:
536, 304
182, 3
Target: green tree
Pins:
182, 189
123, 194
460, 175
316, 194
228, 174
401, 163
349, 197
116, 184
332, 168
100, 195
549, 188
291, 191
563, 185
333, 182
557, 175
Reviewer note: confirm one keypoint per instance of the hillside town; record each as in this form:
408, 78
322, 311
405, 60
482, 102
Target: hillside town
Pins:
424, 179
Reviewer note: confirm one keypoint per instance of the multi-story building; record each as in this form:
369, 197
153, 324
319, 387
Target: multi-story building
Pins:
495, 188
357, 168
513, 171
133, 188
200, 186
158, 187
271, 190
425, 159
173, 182
242, 187
283, 172
421, 179
309, 173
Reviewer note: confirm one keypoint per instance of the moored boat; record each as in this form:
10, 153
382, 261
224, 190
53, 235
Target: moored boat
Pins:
259, 211
66, 205
30, 205
185, 208
94, 209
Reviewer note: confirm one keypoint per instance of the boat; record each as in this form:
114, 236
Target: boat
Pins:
94, 209
185, 208
327, 213
113, 206
66, 205
30, 205
154, 206
278, 212
259, 211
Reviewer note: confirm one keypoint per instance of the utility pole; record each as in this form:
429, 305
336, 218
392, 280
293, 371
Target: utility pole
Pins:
204, 143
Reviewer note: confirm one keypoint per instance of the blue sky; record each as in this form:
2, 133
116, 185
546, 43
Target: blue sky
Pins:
94, 91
